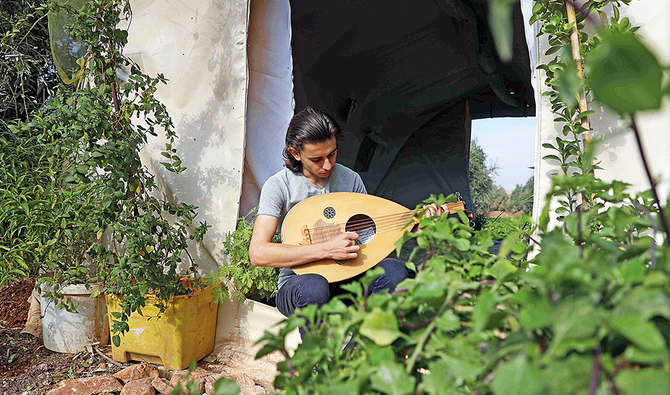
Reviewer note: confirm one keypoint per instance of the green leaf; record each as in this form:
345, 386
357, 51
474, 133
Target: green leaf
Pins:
517, 377
448, 321
624, 74
637, 330
637, 355
224, 386
390, 378
483, 309
645, 381
535, 311
440, 380
380, 326
500, 19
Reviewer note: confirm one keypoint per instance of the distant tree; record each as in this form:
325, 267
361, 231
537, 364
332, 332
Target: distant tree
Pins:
500, 199
523, 194
26, 68
482, 186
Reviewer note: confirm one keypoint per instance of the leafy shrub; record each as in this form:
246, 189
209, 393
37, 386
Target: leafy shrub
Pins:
248, 280
596, 300
503, 227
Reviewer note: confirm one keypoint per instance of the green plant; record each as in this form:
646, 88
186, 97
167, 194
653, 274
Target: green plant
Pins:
248, 280
503, 227
104, 220
27, 79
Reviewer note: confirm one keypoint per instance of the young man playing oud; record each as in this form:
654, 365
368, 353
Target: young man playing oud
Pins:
310, 155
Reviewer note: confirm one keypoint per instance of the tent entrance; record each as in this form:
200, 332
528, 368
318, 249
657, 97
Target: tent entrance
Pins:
403, 79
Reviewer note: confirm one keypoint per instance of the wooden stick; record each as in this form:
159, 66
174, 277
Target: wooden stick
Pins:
577, 56
102, 354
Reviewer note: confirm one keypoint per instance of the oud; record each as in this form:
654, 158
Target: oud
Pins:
379, 223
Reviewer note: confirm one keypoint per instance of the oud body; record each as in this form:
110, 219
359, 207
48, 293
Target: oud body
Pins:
379, 223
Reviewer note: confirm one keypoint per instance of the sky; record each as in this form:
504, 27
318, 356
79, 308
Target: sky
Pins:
509, 143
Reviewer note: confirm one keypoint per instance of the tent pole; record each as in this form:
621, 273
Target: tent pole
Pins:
577, 56
583, 105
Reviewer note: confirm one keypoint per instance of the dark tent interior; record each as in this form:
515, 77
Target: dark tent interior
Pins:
404, 79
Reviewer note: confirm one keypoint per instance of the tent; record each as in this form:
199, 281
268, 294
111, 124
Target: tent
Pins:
403, 78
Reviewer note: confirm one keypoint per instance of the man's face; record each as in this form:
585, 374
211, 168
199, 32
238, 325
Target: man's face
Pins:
317, 160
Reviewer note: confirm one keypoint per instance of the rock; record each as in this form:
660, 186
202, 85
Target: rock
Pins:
209, 382
139, 387
164, 373
136, 372
178, 377
182, 378
162, 385
248, 385
87, 386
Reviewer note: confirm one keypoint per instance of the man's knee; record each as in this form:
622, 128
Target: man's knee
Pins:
313, 289
302, 291
394, 273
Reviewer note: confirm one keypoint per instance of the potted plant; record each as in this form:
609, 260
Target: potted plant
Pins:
108, 215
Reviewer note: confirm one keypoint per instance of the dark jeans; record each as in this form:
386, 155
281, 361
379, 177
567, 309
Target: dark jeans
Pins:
305, 289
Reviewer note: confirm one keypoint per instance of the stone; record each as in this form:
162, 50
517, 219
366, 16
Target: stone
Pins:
162, 385
247, 384
136, 372
178, 377
87, 386
182, 378
164, 373
210, 381
139, 387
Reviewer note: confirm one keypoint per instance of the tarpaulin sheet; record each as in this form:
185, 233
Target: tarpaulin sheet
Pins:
397, 75
200, 47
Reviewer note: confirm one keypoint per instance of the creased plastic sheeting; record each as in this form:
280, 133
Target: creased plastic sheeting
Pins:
199, 45
617, 154
68, 55
270, 97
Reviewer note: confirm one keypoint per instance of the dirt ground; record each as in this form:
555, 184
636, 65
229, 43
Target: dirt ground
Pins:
26, 366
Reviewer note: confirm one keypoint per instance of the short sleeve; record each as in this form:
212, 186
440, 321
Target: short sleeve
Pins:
359, 187
273, 197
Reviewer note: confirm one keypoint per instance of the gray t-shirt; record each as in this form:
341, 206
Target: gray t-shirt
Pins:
285, 189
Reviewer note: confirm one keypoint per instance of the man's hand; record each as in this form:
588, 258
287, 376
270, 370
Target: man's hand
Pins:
433, 209
342, 247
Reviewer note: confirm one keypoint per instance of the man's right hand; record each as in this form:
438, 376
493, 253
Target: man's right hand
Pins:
342, 246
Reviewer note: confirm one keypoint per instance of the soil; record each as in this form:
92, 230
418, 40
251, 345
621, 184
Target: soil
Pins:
27, 367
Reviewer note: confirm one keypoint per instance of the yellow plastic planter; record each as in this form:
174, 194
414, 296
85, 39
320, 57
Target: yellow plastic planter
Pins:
184, 332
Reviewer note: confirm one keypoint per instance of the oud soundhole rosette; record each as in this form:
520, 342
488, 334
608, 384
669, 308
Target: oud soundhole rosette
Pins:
329, 212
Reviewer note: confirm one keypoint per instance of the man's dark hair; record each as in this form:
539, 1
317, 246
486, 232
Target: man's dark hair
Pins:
310, 125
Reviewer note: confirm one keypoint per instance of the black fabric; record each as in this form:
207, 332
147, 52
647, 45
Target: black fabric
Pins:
389, 70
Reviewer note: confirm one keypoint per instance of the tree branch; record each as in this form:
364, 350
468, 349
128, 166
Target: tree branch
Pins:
664, 220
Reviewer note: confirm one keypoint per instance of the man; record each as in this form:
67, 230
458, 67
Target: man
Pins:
310, 155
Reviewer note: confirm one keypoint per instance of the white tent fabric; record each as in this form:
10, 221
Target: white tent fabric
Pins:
200, 46
617, 154
270, 99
